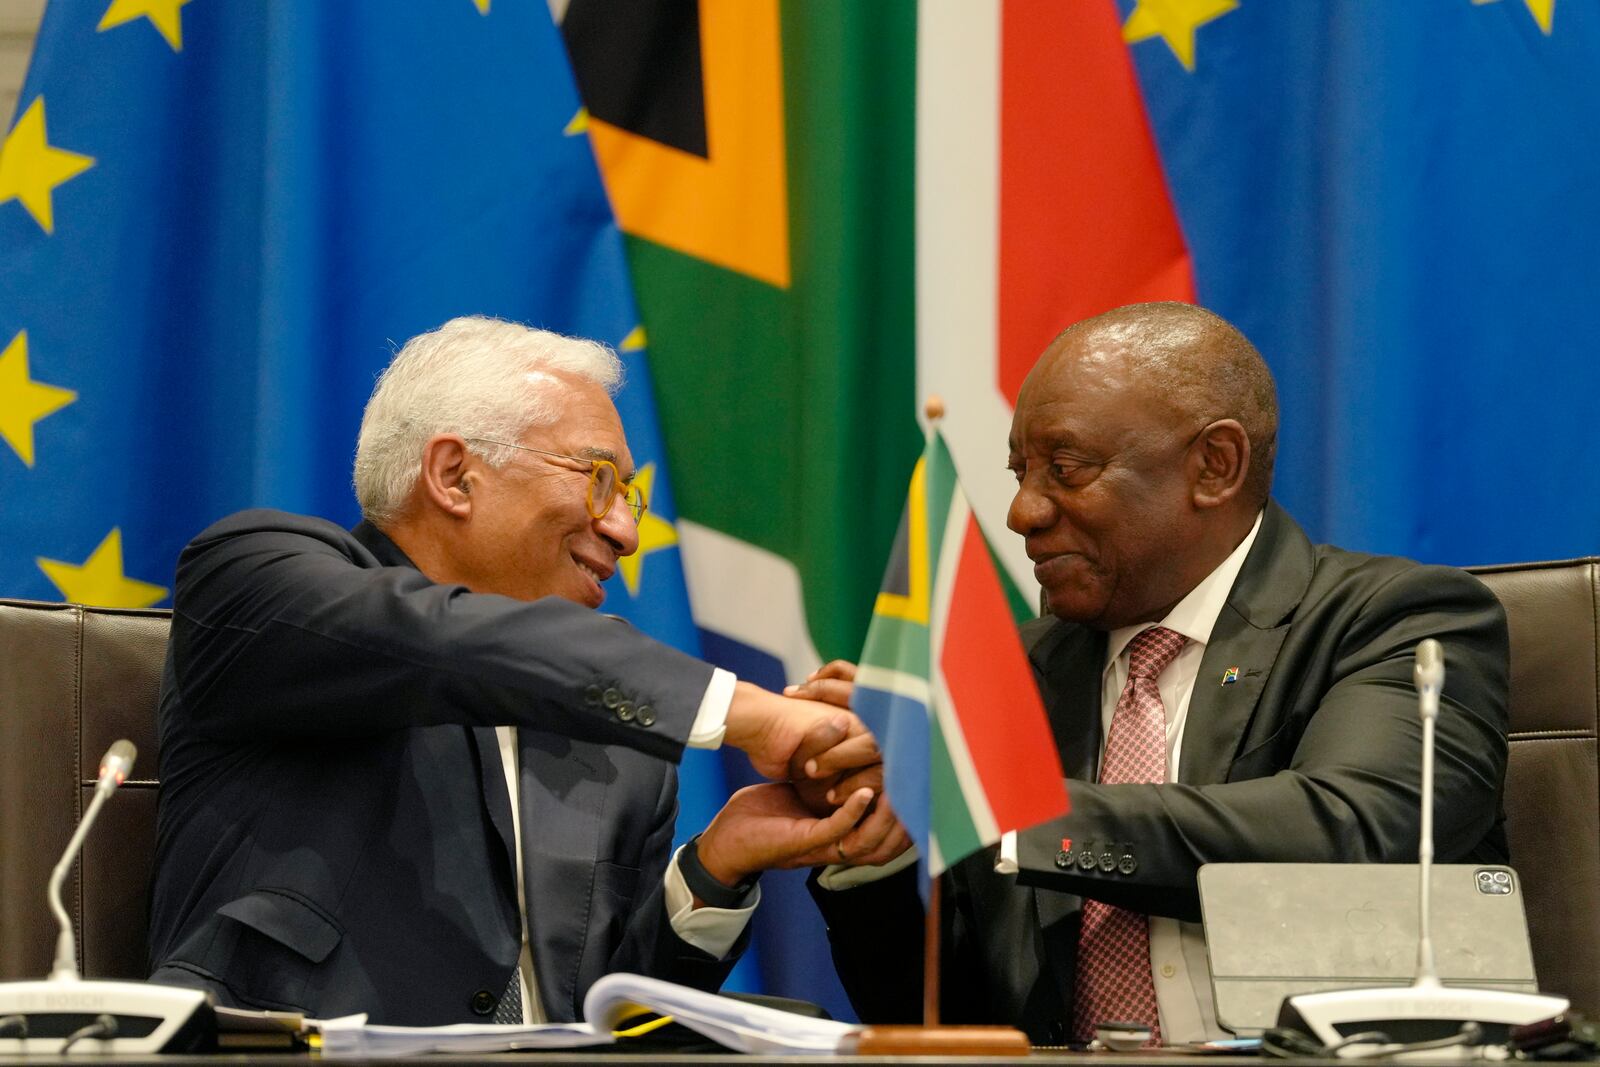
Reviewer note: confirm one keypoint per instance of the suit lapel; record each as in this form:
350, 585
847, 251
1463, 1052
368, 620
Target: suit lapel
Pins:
1067, 662
1248, 634
492, 787
1219, 713
564, 786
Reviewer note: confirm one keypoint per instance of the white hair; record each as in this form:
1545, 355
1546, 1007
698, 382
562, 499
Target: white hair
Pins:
473, 376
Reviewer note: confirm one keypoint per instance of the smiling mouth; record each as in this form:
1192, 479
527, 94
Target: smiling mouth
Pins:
593, 572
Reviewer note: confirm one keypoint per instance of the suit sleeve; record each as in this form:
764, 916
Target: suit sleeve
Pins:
650, 946
877, 933
1337, 778
284, 632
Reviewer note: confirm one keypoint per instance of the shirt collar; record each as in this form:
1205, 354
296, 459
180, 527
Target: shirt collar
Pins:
1195, 616
381, 545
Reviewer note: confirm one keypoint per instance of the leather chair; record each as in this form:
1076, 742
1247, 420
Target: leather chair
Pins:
1552, 791
72, 680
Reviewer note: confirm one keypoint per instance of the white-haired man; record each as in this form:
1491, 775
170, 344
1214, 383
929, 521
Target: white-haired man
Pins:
408, 770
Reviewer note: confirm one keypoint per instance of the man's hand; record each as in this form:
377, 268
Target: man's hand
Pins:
765, 827
769, 727
831, 683
828, 766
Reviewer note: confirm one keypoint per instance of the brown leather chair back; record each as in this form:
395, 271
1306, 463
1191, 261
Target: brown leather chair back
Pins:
1552, 792
73, 680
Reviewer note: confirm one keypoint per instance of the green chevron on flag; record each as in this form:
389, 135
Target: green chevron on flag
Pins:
945, 684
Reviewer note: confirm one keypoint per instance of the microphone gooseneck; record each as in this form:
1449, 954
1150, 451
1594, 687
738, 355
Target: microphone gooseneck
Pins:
1429, 675
115, 767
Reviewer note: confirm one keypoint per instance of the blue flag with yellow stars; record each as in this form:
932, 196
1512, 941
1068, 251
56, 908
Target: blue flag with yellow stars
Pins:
217, 221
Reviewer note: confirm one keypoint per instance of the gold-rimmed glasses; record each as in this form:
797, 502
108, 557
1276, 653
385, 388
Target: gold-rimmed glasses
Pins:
605, 481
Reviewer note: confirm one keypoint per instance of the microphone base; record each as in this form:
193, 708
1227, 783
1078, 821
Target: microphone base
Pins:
150, 1018
1414, 1013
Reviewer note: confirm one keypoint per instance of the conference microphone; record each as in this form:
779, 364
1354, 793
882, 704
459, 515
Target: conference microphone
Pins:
1426, 1011
115, 767
66, 1013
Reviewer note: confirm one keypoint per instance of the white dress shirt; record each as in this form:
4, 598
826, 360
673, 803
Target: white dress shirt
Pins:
711, 930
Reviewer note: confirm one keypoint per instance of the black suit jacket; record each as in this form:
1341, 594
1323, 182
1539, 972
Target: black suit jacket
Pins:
334, 830
1311, 756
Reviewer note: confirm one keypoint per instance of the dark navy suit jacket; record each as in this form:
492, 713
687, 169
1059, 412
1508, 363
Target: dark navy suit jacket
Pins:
334, 830
1312, 756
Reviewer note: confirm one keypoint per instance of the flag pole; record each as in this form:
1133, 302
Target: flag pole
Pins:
931, 1038
930, 957
933, 408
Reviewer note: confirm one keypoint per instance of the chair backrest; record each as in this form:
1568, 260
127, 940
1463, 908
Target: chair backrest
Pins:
1552, 793
73, 680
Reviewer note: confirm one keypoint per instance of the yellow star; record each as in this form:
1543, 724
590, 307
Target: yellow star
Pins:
30, 167
635, 341
99, 581
163, 15
654, 533
24, 401
1175, 21
483, 6
1543, 12
579, 123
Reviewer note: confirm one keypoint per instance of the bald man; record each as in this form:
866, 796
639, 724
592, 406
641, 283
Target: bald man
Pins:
1221, 690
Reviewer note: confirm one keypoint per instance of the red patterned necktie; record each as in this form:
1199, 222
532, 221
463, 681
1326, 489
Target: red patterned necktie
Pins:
1114, 982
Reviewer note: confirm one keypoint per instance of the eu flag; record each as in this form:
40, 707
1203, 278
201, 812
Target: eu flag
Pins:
216, 220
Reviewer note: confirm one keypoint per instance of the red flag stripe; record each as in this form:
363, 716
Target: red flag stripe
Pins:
1086, 219
993, 697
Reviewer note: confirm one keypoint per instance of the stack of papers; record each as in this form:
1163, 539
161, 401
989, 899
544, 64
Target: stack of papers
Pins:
734, 1024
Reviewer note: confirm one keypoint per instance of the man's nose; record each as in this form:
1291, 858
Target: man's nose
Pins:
1030, 509
619, 527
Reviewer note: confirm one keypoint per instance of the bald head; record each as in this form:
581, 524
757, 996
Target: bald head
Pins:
1142, 446
1191, 361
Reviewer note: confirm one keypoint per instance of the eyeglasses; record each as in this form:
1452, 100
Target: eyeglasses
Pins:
605, 483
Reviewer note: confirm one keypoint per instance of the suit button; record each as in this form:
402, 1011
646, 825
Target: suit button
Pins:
611, 698
646, 715
625, 711
1086, 858
592, 696
483, 1002
1063, 858
1127, 864
1108, 862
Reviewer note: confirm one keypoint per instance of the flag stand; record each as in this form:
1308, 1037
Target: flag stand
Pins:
931, 1039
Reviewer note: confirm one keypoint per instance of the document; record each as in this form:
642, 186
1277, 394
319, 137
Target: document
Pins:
614, 999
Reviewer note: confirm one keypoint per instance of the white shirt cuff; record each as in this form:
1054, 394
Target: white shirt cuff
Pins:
711, 930
838, 876
1006, 861
711, 721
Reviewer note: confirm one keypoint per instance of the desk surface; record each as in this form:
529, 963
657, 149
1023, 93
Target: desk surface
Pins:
596, 1059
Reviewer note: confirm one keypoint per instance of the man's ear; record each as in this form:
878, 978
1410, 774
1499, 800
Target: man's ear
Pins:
1219, 459
446, 481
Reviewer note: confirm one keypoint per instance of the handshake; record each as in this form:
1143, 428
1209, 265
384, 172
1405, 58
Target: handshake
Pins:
825, 804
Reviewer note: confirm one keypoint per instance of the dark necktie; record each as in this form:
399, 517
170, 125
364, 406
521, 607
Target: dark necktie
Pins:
509, 1010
